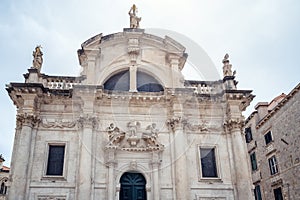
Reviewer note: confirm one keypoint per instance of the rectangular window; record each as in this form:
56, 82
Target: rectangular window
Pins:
55, 163
268, 137
257, 192
278, 194
273, 165
248, 135
208, 163
253, 161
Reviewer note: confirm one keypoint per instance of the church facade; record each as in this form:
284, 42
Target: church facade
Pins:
129, 127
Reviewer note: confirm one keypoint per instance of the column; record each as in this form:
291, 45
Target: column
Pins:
133, 77
180, 160
19, 171
85, 178
242, 173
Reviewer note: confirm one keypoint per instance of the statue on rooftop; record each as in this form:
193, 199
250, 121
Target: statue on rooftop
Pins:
37, 58
134, 20
227, 66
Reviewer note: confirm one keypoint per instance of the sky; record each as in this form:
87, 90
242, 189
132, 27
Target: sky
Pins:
261, 37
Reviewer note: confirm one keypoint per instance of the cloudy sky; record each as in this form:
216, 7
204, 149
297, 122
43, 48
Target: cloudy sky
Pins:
261, 37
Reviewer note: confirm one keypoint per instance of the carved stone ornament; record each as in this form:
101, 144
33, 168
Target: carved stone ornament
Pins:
202, 127
134, 139
227, 66
51, 197
234, 124
88, 122
58, 123
175, 121
27, 120
37, 58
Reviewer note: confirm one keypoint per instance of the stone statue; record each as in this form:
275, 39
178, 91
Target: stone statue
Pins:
37, 58
227, 66
151, 131
134, 20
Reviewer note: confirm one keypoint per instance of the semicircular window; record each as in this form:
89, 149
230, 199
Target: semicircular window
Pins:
147, 83
119, 81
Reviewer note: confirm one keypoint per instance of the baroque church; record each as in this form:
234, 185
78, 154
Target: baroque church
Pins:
129, 127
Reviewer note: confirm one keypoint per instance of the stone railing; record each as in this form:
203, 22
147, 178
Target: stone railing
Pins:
60, 82
203, 87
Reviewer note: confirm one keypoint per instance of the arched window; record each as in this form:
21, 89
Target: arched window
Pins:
147, 83
121, 82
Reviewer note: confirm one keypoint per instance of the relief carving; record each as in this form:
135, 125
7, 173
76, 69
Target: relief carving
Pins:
134, 139
58, 123
46, 197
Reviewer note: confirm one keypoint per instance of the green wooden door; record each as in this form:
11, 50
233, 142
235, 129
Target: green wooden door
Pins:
133, 187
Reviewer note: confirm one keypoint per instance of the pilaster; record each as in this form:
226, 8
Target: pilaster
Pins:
20, 172
87, 125
175, 125
241, 174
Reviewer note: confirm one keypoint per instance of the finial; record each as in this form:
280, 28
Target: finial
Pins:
226, 60
134, 20
37, 58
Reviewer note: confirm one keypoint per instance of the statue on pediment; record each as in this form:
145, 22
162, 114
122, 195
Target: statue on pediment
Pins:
134, 20
37, 58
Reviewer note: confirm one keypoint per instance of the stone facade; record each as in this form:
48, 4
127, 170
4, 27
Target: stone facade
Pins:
276, 134
106, 132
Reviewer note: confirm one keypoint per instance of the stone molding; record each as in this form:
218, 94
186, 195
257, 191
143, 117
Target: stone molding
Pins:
134, 139
51, 197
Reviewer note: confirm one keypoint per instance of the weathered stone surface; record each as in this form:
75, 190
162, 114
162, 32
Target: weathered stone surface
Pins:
108, 132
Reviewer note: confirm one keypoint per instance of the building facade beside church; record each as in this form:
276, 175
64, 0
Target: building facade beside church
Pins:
129, 127
273, 139
4, 176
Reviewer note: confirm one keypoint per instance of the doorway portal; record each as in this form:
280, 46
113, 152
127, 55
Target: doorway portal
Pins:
133, 186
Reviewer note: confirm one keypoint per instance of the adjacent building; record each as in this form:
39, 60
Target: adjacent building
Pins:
129, 127
4, 175
273, 138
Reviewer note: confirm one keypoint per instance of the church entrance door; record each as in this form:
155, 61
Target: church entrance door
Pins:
133, 186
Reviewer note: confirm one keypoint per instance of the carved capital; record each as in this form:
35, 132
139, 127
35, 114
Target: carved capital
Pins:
175, 122
30, 120
88, 122
232, 124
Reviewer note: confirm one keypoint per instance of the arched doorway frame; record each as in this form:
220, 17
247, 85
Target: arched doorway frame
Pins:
137, 169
